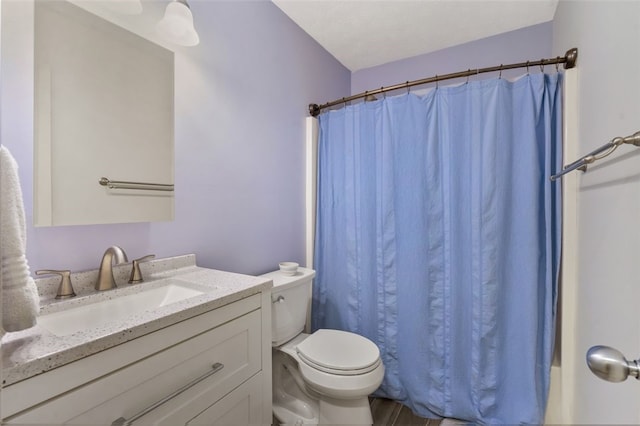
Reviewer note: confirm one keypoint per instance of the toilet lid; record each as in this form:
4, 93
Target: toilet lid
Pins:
339, 352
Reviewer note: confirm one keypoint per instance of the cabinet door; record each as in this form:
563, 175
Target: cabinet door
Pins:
104, 107
243, 406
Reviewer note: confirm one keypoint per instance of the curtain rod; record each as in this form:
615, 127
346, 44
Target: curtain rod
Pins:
569, 61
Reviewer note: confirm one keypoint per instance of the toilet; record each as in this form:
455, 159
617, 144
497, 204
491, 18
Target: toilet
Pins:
320, 378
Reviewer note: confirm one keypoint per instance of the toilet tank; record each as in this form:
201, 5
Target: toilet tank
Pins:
290, 304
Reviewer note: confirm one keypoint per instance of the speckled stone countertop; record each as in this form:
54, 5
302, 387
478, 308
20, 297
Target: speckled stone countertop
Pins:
33, 351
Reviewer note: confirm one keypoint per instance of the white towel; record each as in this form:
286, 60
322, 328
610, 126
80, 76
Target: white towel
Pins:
20, 302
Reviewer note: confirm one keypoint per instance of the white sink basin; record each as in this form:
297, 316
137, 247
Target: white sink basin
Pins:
79, 318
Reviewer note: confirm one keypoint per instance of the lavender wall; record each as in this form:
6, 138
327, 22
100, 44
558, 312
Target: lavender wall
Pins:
515, 46
241, 99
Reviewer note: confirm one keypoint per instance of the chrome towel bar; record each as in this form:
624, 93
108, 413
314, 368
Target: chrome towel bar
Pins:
598, 154
120, 184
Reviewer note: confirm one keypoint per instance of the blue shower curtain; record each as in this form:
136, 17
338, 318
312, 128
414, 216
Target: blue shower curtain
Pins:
438, 237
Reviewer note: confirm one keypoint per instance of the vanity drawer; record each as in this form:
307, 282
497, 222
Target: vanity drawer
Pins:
242, 406
235, 345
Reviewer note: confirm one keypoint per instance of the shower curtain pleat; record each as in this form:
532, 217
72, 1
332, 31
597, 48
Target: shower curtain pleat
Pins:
438, 237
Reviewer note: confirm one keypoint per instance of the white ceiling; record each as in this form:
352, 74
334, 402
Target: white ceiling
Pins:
366, 33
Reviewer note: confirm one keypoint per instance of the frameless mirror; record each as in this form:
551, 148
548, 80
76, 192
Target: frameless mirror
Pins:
103, 108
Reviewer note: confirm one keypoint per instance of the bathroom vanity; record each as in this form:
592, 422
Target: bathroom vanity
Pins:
205, 359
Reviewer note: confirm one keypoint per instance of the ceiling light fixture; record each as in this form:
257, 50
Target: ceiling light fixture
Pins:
177, 24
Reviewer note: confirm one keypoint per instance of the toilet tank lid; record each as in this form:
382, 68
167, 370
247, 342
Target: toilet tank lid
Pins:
282, 281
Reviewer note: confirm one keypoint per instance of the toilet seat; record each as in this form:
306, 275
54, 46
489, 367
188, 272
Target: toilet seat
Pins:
324, 361
339, 352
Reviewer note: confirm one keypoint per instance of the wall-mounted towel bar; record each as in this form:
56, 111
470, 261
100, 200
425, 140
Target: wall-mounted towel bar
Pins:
598, 154
119, 184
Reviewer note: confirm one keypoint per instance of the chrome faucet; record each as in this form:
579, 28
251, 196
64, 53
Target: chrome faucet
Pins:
105, 274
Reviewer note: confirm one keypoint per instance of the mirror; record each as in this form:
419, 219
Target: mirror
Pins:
103, 108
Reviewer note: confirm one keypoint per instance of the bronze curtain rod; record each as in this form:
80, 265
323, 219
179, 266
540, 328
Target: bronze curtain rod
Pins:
569, 61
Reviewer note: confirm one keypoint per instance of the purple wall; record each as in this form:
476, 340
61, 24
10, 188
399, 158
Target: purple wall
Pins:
241, 100
515, 46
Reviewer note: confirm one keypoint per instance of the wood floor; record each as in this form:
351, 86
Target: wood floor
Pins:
386, 412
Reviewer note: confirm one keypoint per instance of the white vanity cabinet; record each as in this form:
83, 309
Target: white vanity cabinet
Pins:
214, 368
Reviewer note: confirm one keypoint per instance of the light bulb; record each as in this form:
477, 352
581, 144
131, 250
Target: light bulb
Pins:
177, 25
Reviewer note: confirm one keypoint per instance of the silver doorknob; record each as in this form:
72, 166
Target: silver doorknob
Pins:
609, 364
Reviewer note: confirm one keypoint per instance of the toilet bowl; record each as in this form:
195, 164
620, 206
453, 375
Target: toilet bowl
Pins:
319, 378
292, 403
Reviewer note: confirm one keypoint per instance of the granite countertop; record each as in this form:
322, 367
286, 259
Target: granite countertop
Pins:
33, 351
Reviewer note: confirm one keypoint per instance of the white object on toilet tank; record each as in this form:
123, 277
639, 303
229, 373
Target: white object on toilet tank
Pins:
291, 302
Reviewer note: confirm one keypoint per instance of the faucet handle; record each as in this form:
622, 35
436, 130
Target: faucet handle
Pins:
136, 275
65, 289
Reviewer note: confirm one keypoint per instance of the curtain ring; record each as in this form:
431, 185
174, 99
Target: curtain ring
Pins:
408, 91
527, 67
468, 74
344, 102
436, 81
541, 65
500, 75
384, 93
558, 63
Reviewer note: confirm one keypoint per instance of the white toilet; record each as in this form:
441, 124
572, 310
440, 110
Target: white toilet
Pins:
320, 378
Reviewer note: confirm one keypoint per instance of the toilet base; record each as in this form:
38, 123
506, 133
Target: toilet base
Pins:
296, 404
292, 405
331, 412
288, 417
345, 411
